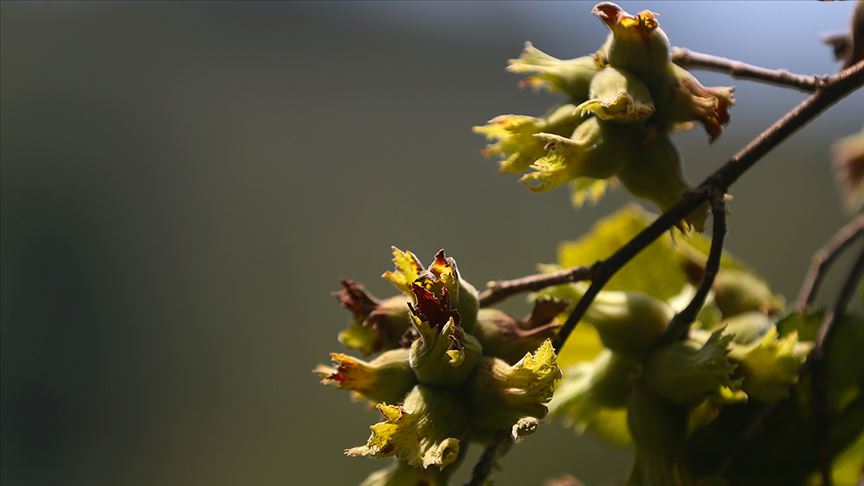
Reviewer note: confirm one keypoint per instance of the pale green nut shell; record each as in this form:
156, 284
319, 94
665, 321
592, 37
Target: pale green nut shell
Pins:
617, 95
589, 388
628, 322
612, 379
688, 372
468, 305
658, 429
387, 378
656, 174
737, 292
500, 394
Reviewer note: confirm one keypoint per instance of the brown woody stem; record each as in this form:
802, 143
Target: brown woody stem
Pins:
737, 69
500, 290
823, 259
679, 326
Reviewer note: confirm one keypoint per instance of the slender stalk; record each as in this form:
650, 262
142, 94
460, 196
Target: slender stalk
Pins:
830, 90
679, 326
500, 290
484, 466
824, 258
737, 69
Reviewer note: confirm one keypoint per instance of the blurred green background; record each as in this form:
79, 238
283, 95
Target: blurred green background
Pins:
183, 183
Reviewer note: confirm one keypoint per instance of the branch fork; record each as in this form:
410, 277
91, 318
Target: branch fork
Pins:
826, 91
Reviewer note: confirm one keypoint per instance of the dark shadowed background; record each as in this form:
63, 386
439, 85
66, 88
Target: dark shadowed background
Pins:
183, 183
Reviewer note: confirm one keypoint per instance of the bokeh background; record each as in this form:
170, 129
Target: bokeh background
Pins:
183, 183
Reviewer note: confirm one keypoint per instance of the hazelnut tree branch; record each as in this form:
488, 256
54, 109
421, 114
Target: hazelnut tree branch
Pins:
824, 258
501, 289
737, 69
833, 88
483, 468
497, 291
829, 91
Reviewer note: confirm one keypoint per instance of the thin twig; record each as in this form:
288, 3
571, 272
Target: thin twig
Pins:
500, 290
823, 259
737, 69
819, 366
679, 326
830, 91
484, 466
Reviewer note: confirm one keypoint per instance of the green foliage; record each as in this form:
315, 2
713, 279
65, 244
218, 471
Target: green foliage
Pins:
655, 271
783, 453
720, 383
